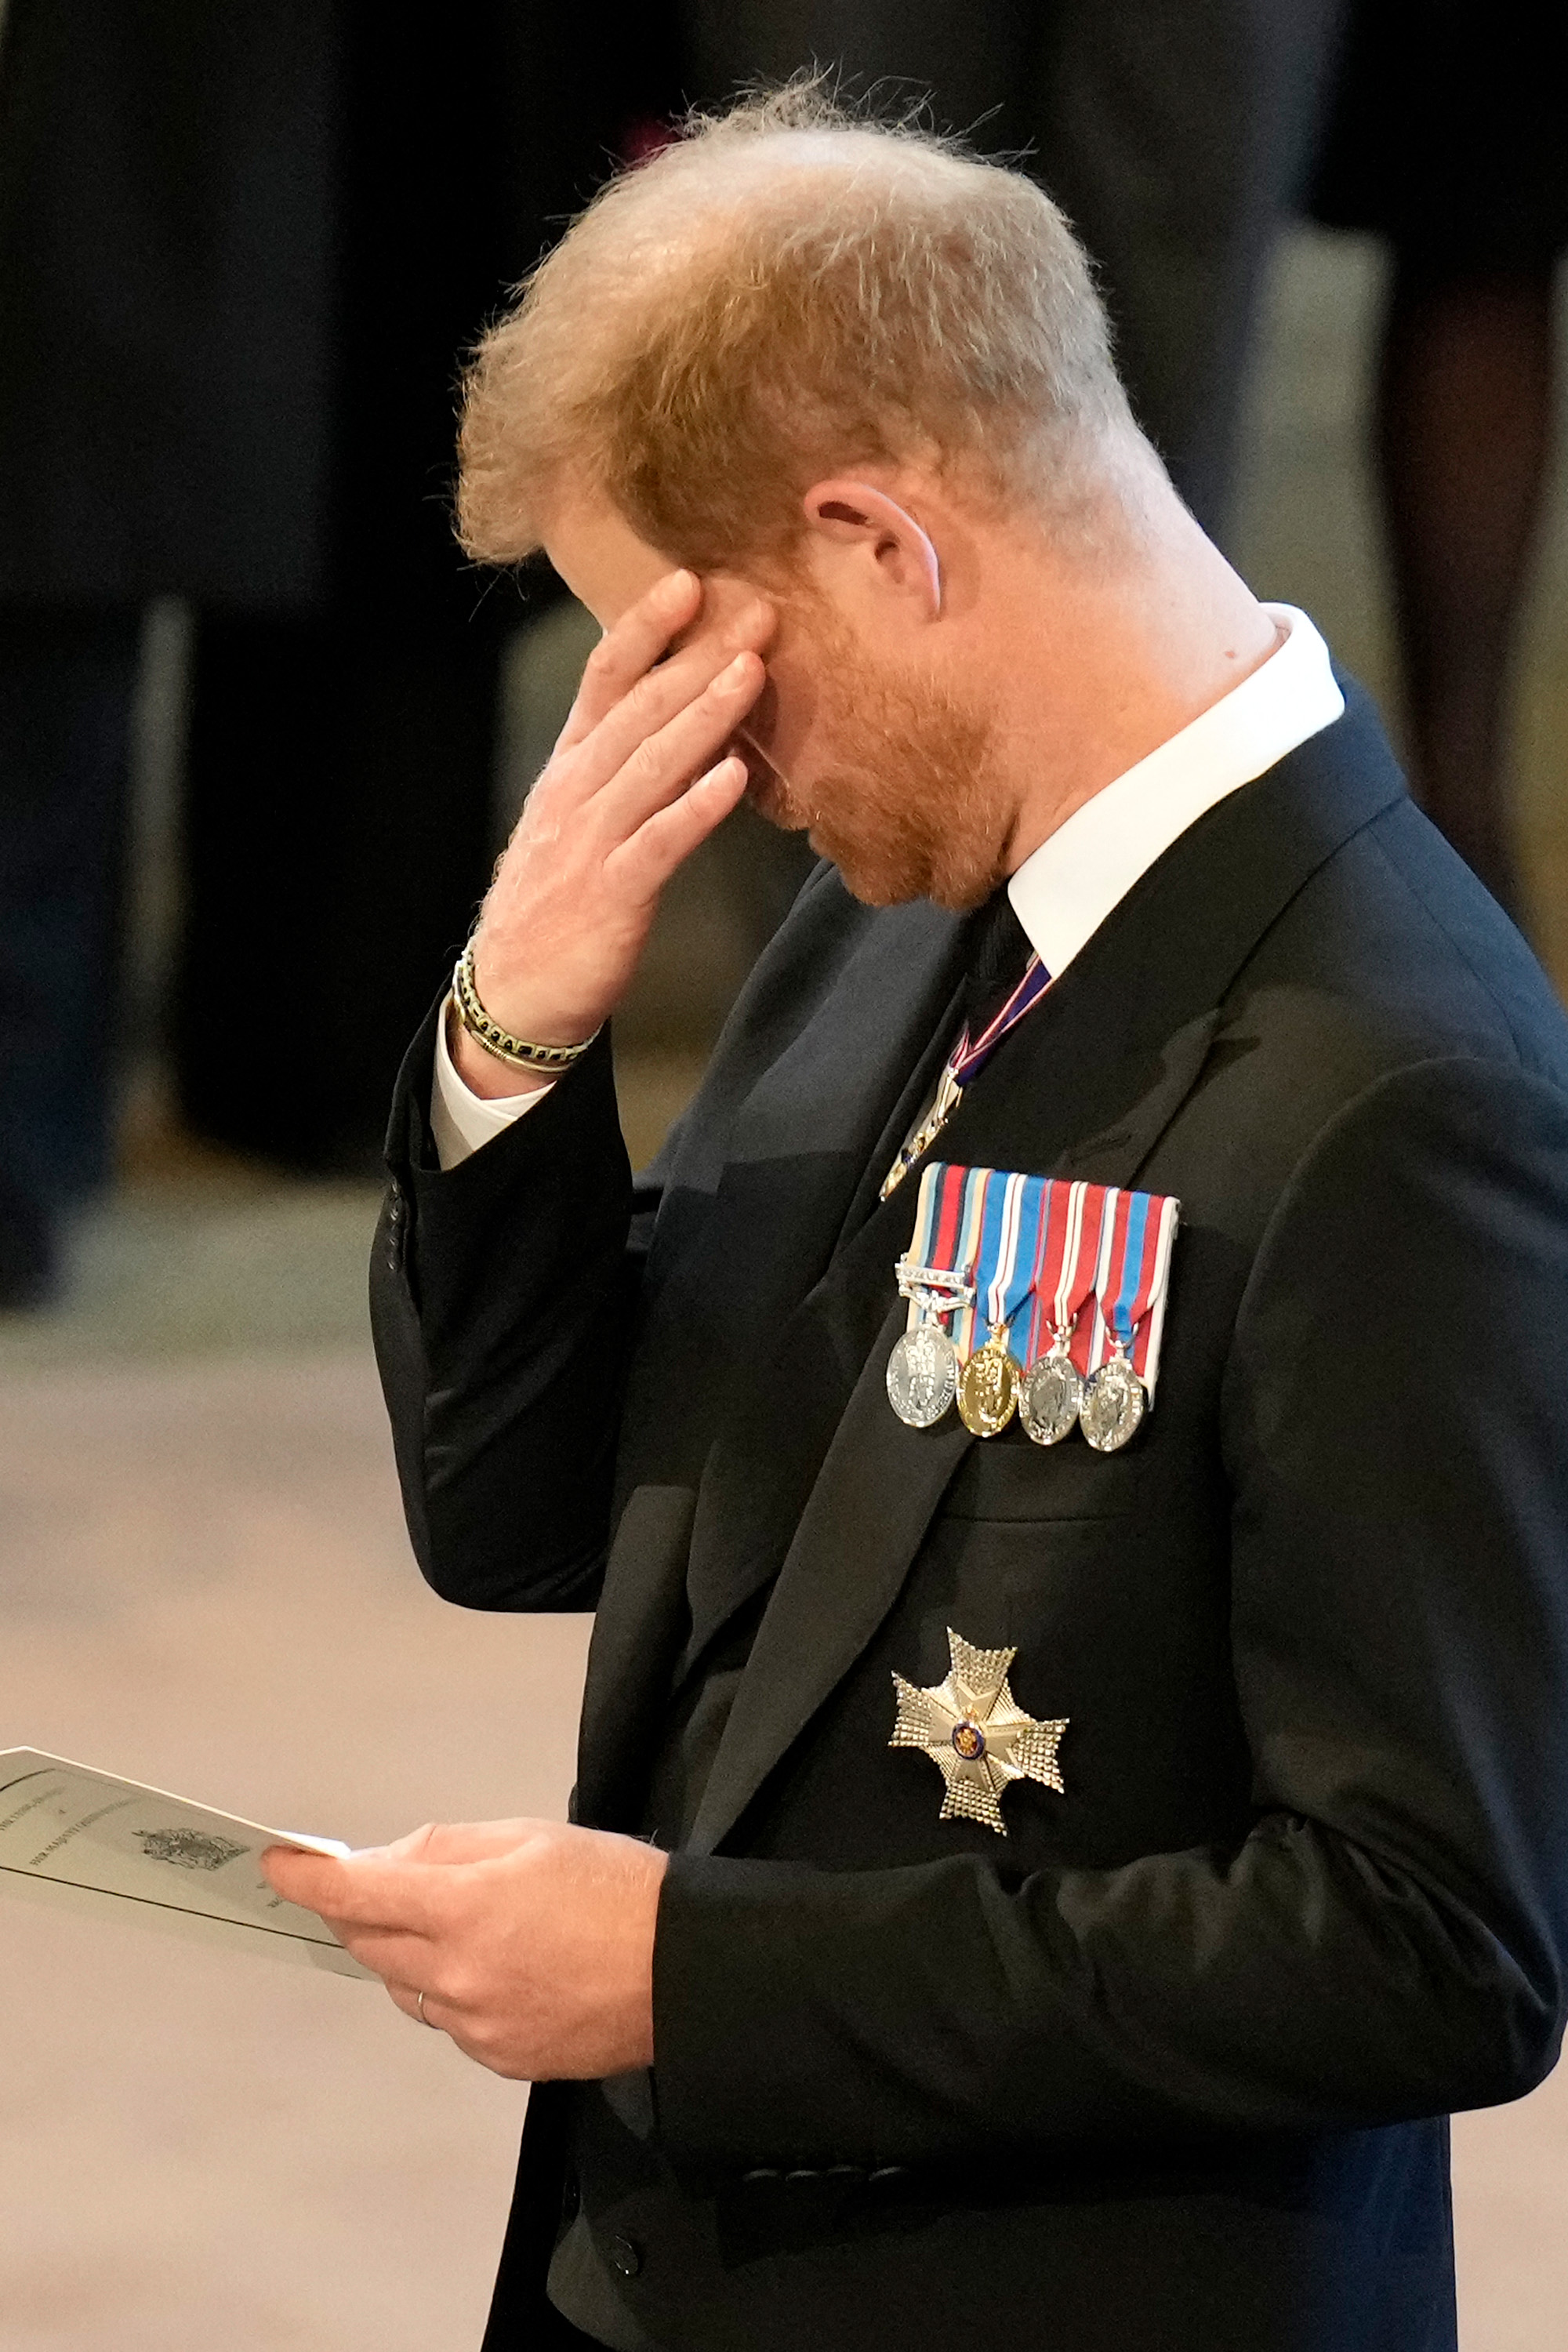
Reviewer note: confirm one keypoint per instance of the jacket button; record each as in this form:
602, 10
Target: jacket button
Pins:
887, 2172
804, 2172
760, 2172
626, 2256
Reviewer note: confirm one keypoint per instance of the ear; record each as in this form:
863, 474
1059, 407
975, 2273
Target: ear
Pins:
854, 511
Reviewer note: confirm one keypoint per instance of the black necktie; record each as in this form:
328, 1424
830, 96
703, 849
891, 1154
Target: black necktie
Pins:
1000, 952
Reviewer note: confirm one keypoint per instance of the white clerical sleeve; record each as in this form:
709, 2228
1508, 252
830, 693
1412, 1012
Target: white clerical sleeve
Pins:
462, 1121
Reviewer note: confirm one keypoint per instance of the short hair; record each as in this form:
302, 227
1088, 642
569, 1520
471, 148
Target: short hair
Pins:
788, 291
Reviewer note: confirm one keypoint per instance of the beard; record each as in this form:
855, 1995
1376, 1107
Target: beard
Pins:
907, 802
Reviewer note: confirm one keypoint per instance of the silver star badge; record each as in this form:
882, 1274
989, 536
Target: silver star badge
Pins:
974, 1733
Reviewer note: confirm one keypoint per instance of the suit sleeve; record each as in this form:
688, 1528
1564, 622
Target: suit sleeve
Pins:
502, 1294
1390, 1939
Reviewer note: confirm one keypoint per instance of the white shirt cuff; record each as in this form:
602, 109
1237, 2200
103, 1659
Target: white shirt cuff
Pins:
462, 1121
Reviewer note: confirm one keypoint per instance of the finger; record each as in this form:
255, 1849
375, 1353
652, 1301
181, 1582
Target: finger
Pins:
665, 763
440, 2016
304, 1878
396, 1957
406, 1997
668, 838
371, 1889
626, 653
656, 700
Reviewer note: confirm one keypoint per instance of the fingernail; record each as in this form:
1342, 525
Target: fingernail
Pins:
737, 673
678, 587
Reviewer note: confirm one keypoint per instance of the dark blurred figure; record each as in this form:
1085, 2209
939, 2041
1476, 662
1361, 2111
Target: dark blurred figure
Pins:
165, 271
1175, 133
1449, 136
241, 252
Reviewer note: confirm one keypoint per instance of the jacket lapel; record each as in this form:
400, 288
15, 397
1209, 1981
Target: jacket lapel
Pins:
755, 1455
747, 1223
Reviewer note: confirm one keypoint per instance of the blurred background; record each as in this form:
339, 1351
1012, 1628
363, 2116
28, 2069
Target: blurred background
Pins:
261, 733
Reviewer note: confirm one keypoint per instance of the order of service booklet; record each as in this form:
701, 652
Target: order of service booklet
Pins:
92, 1840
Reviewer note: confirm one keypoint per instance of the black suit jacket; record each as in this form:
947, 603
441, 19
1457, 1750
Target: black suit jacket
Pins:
1168, 2067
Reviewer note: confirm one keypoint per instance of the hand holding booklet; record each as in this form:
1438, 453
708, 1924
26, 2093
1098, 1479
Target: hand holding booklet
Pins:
90, 1841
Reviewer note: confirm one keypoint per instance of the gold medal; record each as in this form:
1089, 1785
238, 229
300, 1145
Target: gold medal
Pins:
988, 1387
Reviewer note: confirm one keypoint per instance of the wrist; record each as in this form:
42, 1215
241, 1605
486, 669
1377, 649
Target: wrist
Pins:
528, 1055
500, 987
481, 1073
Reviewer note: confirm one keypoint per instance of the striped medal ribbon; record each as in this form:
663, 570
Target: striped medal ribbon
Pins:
1138, 1231
923, 1370
965, 1063
1091, 1261
971, 1259
970, 1058
1067, 1263
1005, 1210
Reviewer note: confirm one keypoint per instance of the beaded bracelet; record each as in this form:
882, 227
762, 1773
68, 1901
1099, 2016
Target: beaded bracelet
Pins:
496, 1040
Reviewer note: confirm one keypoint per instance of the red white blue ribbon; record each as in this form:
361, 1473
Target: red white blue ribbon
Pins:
965, 1062
1091, 1261
969, 1058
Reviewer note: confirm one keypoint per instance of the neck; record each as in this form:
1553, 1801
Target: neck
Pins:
1103, 664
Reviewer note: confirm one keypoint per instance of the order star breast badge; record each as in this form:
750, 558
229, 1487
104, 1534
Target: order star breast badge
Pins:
976, 1736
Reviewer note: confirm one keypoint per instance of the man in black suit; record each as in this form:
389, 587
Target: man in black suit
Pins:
1167, 2062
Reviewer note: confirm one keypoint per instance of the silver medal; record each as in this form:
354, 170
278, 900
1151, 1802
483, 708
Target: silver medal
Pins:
922, 1375
1114, 1403
1050, 1396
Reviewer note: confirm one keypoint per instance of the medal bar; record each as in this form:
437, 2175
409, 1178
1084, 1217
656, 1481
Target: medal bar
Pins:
1089, 1263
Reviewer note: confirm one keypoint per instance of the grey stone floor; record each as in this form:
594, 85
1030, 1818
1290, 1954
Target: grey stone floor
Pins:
205, 1583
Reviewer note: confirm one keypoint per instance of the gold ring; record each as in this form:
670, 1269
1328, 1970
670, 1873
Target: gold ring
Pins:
419, 2005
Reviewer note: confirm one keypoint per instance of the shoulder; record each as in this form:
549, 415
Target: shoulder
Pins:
1407, 1281
1391, 960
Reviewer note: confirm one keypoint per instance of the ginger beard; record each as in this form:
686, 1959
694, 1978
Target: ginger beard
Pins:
905, 801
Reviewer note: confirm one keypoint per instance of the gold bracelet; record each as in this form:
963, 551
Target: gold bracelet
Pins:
496, 1040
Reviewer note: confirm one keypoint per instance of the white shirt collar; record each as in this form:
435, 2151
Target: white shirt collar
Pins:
1063, 892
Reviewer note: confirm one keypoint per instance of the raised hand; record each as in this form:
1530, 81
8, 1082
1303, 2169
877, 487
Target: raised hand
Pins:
639, 777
